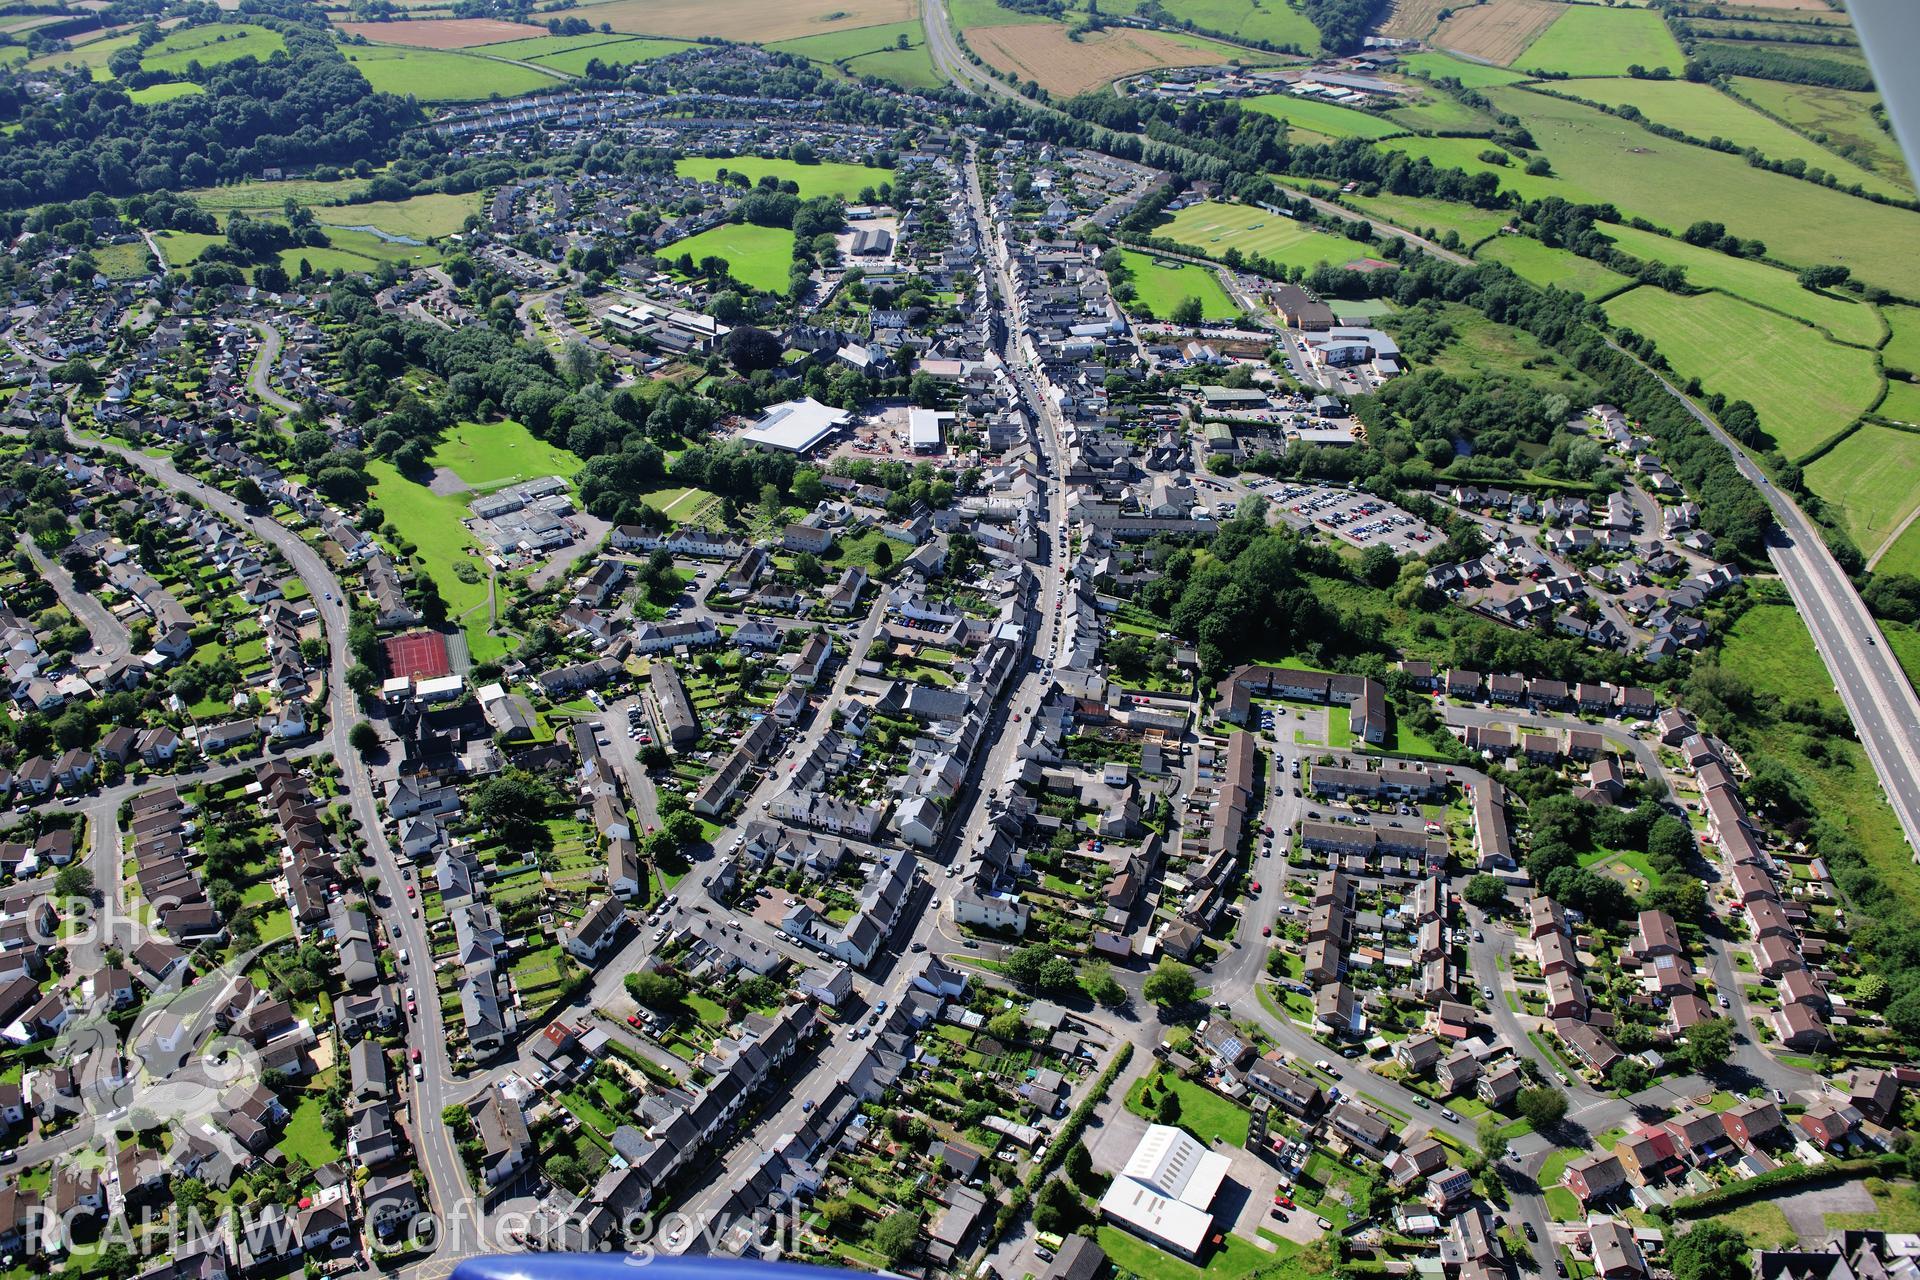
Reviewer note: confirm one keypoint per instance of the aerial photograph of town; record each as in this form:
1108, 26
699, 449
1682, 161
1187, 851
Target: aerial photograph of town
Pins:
960, 639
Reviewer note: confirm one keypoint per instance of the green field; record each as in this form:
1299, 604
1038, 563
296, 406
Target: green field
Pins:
1418, 213
761, 257
211, 46
1588, 40
1544, 265
423, 217
1327, 119
1437, 112
910, 68
1212, 227
835, 45
540, 46
1843, 118
441, 75
357, 251
489, 455
1482, 347
1472, 75
94, 54
1904, 555
618, 53
165, 91
828, 178
1873, 477
1847, 320
1674, 185
255, 195
432, 523
1465, 153
1805, 389
182, 247
1702, 111
1902, 403
124, 261
1163, 284
1274, 21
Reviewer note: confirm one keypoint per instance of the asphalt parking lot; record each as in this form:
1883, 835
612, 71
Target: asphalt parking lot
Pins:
1353, 516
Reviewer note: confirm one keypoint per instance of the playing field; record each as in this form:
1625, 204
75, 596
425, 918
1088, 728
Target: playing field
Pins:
1805, 389
1545, 265
1161, 285
614, 53
1842, 118
1042, 51
1275, 21
1702, 111
760, 257
1325, 118
165, 91
441, 33
1419, 214
1845, 319
1466, 153
1674, 184
1588, 40
1213, 227
490, 455
439, 75
1873, 477
1498, 31
1472, 75
828, 178
211, 46
747, 20
417, 217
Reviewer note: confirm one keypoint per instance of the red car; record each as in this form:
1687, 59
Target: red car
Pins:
633, 1019
1256, 886
1284, 1201
415, 1054
1267, 932
409, 891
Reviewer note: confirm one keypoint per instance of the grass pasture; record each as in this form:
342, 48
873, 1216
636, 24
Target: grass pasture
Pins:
1418, 213
1465, 153
1042, 51
828, 178
1483, 347
1843, 119
1327, 119
1471, 75
422, 217
1702, 111
539, 46
182, 247
124, 261
443, 75
614, 53
1674, 184
1903, 556
1902, 403
1805, 389
1845, 319
1903, 347
760, 257
837, 45
441, 33
1588, 40
1162, 284
211, 46
1498, 31
1438, 112
259, 196
746, 20
165, 91
94, 54
1544, 265
1873, 477
492, 455
911, 68
1275, 21
1212, 227
432, 523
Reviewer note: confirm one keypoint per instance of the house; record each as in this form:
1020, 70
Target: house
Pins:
1831, 1125
505, 1144
1594, 1176
597, 931
1646, 1155
1417, 1054
1616, 1253
1754, 1123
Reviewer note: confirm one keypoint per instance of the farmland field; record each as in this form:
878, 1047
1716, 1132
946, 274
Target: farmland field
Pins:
1498, 31
1873, 478
254, 195
417, 217
1464, 153
1902, 403
910, 68
95, 54
535, 46
1587, 40
1213, 227
1275, 21
1903, 556
212, 45
1848, 321
1412, 19
489, 455
614, 53
1439, 113
756, 256
165, 91
1042, 51
1472, 75
1702, 111
1675, 184
1805, 389
749, 20
836, 45
438, 75
1545, 265
1844, 117
1418, 213
441, 33
1903, 348
1162, 284
828, 178
1326, 118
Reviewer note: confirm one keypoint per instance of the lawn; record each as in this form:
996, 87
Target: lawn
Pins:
1842, 117
488, 455
1420, 214
1562, 1205
1162, 284
442, 75
1212, 227
165, 91
1675, 184
1234, 1259
1545, 265
1471, 75
1203, 1112
828, 178
1805, 389
1845, 319
1588, 40
760, 257
432, 523
1466, 153
1702, 111
1896, 1209
306, 1135
1327, 119
210, 46
1873, 476
621, 53
1770, 649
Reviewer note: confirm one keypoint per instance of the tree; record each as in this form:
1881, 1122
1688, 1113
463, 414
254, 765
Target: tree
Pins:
363, 737
1170, 984
73, 881
1705, 1048
1871, 991
1493, 1142
896, 1237
1006, 1025
1079, 1164
1542, 1107
655, 990
883, 554
1056, 1209
1188, 311
750, 349
1097, 981
512, 802
836, 1215
1629, 1075
1167, 1111
1711, 1251
1486, 892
